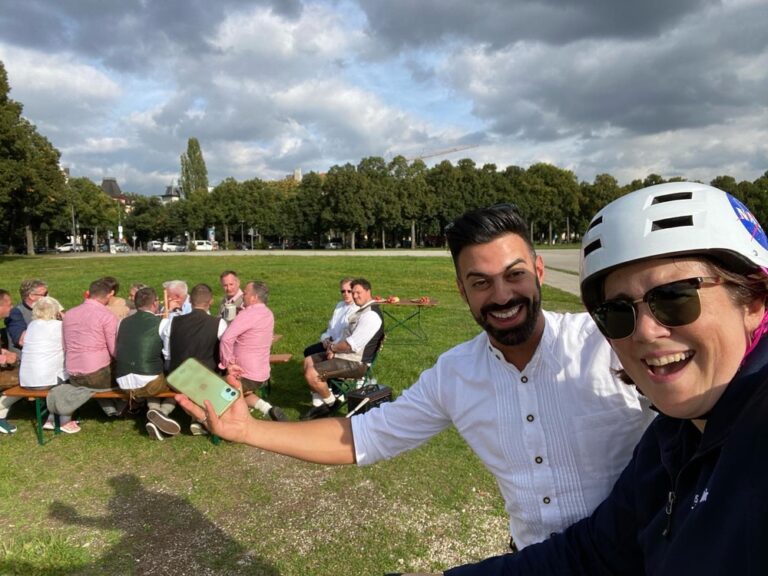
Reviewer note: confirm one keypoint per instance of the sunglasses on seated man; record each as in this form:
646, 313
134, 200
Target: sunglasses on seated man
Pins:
673, 304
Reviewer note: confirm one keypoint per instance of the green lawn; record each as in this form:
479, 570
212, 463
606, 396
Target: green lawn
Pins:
110, 501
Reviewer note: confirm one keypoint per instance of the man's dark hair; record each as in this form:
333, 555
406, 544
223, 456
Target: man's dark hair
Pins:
201, 295
260, 289
112, 283
228, 273
361, 282
4, 293
484, 225
99, 288
145, 297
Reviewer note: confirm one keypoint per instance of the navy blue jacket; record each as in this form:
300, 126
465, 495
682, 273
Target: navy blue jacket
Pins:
687, 503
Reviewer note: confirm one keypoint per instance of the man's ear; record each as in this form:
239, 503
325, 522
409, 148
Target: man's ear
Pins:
460, 286
539, 266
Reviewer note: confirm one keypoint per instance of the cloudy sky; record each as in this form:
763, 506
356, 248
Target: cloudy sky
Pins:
674, 87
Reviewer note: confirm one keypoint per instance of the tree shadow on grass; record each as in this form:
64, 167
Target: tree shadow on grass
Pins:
161, 534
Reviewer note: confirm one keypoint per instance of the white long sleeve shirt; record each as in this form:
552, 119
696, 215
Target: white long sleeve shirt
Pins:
338, 321
555, 435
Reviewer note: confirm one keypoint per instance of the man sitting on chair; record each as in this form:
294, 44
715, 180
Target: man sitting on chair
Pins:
338, 321
347, 358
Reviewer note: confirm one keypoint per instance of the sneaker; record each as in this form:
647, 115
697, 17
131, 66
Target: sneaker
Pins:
276, 414
164, 424
70, 427
197, 429
154, 433
316, 412
6, 427
49, 424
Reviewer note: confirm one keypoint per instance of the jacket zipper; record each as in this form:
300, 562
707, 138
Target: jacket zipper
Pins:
668, 511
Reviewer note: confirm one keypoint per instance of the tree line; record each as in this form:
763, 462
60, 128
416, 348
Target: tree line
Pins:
376, 203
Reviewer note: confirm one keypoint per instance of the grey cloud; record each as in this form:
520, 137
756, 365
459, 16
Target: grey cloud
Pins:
403, 23
126, 35
553, 92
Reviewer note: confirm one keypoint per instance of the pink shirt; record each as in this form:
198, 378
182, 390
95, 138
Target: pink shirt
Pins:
247, 342
89, 332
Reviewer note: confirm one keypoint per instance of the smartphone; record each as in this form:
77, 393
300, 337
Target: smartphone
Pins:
200, 384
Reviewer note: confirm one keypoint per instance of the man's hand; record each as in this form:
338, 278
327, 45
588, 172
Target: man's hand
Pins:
235, 370
232, 425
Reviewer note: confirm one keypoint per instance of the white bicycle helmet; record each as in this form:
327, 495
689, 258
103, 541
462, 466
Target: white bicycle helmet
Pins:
670, 220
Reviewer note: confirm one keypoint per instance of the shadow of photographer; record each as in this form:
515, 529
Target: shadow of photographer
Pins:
161, 534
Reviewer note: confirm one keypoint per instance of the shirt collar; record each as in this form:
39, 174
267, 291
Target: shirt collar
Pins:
545, 351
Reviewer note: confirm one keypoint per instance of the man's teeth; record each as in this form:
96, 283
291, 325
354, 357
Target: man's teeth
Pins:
668, 359
508, 313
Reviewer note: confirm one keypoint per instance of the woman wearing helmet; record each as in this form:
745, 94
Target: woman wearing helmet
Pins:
676, 277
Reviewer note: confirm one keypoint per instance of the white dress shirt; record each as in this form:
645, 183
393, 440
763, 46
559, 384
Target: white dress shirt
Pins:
555, 435
338, 321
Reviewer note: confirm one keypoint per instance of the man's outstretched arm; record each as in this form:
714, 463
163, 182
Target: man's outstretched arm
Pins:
323, 441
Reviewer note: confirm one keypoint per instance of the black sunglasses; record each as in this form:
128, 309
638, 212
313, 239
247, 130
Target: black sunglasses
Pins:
346, 291
673, 304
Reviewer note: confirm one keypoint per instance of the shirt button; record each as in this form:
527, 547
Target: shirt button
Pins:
538, 459
546, 500
529, 417
524, 379
552, 534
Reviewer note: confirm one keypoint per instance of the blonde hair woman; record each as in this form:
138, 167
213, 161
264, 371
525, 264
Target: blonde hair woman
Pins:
42, 364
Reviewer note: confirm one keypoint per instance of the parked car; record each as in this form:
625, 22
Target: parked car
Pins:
69, 247
202, 245
173, 247
122, 247
154, 246
333, 245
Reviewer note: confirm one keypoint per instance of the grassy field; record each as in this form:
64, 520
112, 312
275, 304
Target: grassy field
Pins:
110, 501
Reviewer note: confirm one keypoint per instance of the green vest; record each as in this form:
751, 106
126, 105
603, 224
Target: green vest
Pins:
139, 346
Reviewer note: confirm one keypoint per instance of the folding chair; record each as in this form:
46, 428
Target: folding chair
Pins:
340, 387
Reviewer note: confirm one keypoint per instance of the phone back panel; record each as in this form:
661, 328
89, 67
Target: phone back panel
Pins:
200, 384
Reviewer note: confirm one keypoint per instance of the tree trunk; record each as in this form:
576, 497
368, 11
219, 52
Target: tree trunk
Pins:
413, 234
30, 240
352, 243
226, 237
383, 239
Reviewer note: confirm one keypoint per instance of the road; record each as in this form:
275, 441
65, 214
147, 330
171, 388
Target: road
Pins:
561, 265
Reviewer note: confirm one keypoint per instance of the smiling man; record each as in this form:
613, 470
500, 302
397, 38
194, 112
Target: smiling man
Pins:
535, 394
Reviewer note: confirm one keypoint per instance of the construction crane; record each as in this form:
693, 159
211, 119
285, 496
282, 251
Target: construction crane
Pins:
442, 152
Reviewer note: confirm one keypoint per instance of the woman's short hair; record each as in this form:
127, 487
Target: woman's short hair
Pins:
46, 308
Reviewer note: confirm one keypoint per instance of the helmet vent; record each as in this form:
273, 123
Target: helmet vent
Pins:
672, 223
595, 222
672, 197
596, 245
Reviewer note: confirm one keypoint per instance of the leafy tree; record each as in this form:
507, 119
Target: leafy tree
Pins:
147, 219
308, 208
31, 183
345, 195
194, 174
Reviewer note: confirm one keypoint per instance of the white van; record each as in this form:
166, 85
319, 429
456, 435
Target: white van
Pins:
202, 245
154, 246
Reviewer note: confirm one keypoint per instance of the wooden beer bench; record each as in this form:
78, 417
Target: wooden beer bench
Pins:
41, 410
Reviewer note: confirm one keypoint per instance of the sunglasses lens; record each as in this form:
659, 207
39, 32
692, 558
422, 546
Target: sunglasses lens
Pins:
675, 304
615, 319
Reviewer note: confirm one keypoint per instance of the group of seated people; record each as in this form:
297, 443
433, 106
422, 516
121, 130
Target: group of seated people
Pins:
110, 343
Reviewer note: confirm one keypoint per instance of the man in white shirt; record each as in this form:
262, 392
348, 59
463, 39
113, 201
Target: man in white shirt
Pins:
534, 394
232, 302
347, 357
338, 320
